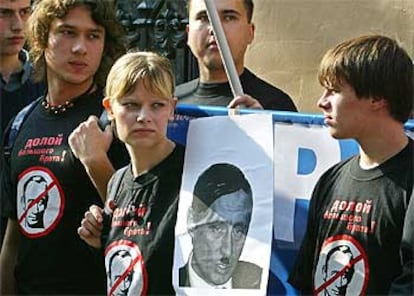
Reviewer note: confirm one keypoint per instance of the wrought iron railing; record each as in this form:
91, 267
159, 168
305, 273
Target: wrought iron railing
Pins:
159, 25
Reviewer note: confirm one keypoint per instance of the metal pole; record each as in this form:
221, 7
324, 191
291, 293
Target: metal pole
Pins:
224, 49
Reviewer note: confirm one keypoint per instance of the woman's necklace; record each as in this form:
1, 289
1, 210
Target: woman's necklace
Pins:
61, 108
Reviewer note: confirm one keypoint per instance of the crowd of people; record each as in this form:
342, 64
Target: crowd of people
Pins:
72, 185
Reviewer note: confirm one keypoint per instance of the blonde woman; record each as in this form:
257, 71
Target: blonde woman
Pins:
138, 233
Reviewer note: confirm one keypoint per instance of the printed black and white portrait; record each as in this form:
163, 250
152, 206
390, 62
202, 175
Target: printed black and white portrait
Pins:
40, 202
35, 187
126, 274
224, 222
342, 268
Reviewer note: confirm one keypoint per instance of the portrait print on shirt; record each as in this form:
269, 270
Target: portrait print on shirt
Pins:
125, 269
40, 202
342, 267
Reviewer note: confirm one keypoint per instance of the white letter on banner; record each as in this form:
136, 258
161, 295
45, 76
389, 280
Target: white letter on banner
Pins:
302, 154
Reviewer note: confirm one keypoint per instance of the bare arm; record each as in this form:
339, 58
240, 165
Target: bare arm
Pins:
90, 145
8, 258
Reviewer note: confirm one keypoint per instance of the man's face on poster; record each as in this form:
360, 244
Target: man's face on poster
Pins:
219, 239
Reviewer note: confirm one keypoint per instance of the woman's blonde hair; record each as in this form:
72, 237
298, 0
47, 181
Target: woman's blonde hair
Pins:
153, 70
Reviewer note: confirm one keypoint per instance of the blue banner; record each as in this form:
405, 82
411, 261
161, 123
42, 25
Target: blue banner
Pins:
303, 150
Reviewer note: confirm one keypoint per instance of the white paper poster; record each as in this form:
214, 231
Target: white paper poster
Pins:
225, 215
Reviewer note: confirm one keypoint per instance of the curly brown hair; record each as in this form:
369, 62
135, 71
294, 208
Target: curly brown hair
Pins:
102, 12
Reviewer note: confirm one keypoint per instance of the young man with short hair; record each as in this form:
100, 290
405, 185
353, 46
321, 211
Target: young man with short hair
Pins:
212, 87
361, 203
73, 43
17, 89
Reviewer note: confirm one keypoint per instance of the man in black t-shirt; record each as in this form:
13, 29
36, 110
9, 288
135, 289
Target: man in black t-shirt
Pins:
47, 189
360, 205
212, 87
17, 89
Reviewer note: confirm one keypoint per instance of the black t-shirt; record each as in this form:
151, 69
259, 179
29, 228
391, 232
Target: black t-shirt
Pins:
48, 192
141, 235
11, 102
219, 94
353, 238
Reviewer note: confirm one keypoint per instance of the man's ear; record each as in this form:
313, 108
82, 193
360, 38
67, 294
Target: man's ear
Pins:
252, 32
378, 103
106, 103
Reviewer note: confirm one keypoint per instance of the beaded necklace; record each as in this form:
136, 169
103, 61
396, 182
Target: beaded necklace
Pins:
62, 108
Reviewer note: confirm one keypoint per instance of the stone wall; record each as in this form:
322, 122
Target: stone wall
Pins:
292, 36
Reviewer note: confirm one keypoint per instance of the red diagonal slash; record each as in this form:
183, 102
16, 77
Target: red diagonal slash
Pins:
124, 275
337, 275
35, 201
